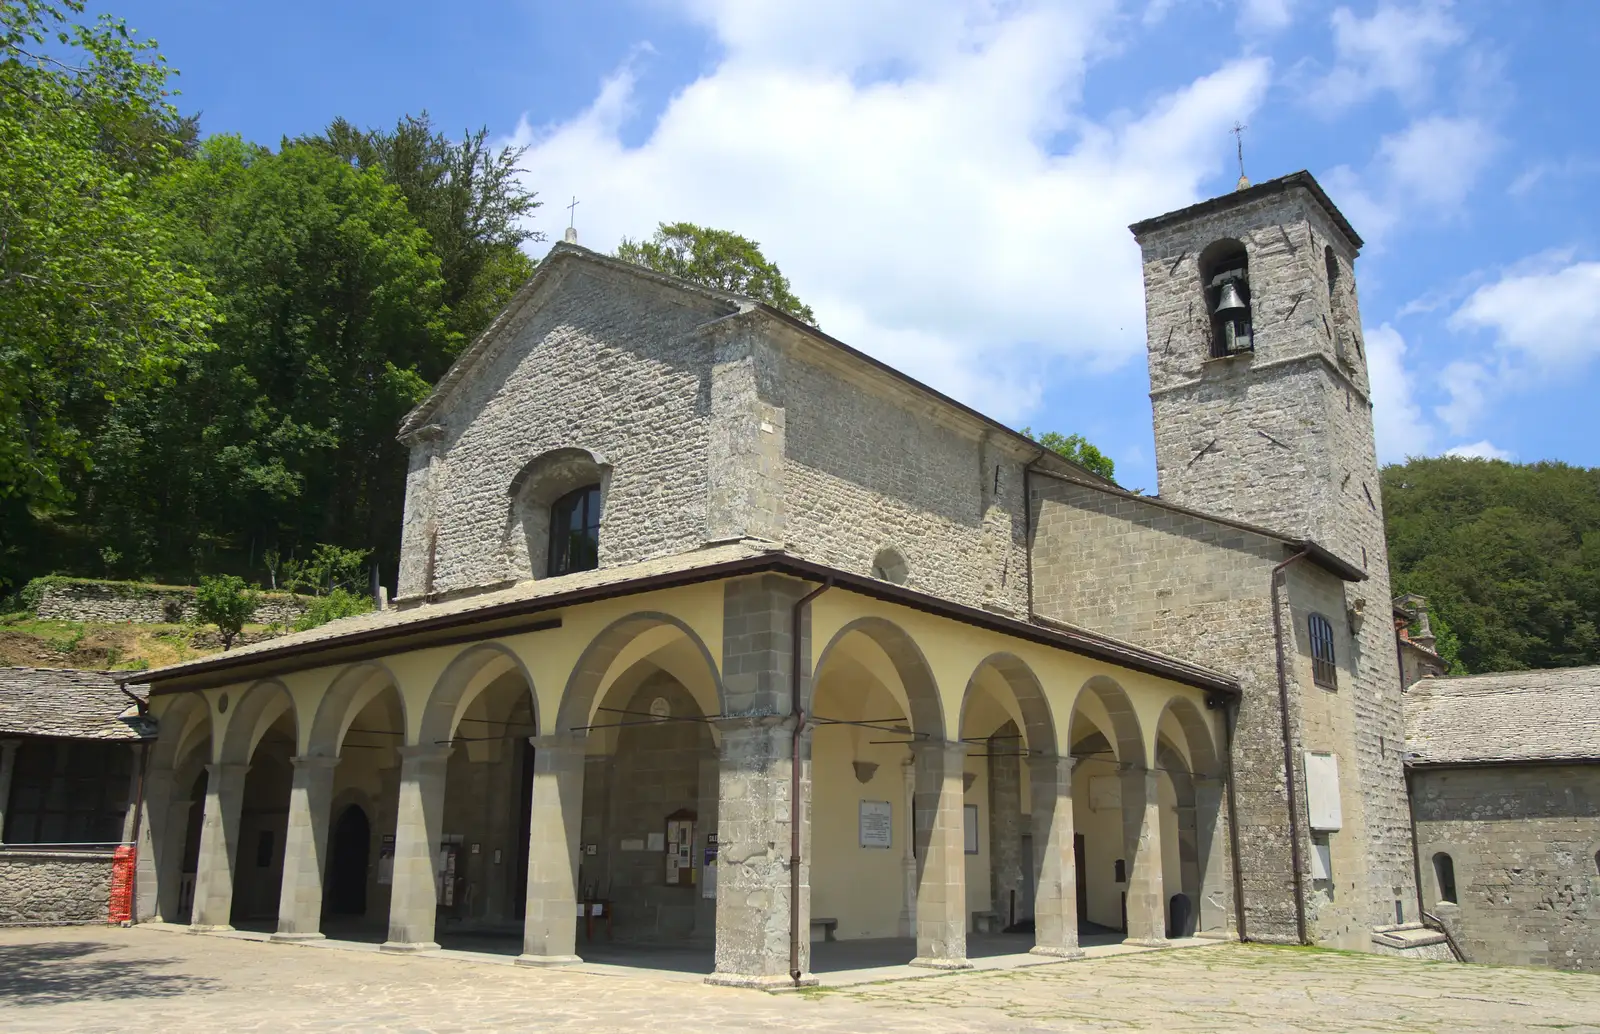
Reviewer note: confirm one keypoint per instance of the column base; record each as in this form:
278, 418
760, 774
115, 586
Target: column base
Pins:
408, 947
292, 938
1050, 951
210, 928
547, 960
932, 963
770, 982
1147, 942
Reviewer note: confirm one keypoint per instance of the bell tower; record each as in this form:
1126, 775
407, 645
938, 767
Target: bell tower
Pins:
1258, 373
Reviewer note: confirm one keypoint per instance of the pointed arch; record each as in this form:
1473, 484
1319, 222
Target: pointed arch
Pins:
581, 694
463, 680
916, 675
257, 708
1038, 722
349, 691
1204, 759
1126, 736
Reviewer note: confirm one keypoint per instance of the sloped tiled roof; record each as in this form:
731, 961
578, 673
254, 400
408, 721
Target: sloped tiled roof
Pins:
1547, 715
85, 705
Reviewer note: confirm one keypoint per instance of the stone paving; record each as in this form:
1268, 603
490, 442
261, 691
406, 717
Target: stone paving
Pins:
107, 979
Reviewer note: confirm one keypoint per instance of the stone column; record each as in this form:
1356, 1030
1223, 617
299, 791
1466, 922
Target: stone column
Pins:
1055, 901
155, 861
305, 850
8, 766
908, 857
1141, 828
219, 846
130, 816
754, 860
1215, 906
414, 895
1005, 823
941, 857
550, 926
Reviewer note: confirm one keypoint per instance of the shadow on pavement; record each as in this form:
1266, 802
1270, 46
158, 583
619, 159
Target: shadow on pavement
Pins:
68, 971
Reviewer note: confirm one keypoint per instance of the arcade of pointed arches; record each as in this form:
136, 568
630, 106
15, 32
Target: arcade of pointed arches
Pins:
354, 809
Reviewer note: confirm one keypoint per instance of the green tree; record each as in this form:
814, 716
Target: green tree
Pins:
719, 259
227, 602
1076, 448
337, 604
94, 307
469, 198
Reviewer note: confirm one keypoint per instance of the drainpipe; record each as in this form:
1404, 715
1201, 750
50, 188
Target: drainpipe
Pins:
1229, 716
1279, 577
798, 714
1027, 523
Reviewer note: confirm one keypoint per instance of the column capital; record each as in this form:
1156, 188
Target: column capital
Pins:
314, 761
573, 742
9, 746
425, 751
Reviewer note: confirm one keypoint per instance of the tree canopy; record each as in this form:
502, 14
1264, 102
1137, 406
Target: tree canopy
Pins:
1508, 555
719, 259
1078, 449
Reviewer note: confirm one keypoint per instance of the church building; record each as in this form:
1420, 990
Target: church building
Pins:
722, 635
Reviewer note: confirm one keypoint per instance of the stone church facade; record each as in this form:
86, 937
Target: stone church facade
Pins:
721, 630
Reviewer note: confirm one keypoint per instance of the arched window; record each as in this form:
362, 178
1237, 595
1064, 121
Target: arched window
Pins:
575, 531
890, 566
1225, 277
1444, 869
1324, 670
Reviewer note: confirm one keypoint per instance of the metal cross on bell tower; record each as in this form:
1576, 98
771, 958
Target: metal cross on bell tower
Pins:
571, 236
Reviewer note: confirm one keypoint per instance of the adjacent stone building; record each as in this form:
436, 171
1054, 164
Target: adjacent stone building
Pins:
712, 625
71, 745
1505, 792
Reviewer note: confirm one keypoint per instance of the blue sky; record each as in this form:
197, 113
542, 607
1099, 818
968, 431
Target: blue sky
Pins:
948, 182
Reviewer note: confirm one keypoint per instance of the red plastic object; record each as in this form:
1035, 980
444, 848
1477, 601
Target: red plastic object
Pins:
122, 862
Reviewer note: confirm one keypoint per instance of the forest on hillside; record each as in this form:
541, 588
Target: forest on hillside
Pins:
1508, 555
206, 346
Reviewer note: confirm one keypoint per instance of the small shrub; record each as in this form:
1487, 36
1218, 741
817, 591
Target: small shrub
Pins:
337, 604
227, 602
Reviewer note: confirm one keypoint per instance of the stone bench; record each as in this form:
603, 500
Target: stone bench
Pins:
986, 922
824, 930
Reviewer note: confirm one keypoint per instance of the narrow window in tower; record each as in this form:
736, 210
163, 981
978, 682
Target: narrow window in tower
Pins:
1324, 672
1225, 280
1444, 870
575, 531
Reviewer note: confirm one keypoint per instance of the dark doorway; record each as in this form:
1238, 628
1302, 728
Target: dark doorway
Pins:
191, 849
1079, 868
1178, 912
347, 870
519, 891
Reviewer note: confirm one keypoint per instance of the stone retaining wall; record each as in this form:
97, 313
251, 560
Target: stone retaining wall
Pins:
54, 885
148, 604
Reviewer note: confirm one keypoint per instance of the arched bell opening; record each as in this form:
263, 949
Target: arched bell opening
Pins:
1225, 281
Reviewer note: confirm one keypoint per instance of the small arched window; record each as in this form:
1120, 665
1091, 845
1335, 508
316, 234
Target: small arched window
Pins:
1444, 870
1225, 277
890, 566
575, 531
1324, 668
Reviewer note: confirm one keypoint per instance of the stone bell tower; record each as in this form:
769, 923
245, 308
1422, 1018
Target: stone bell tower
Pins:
1258, 372
1263, 414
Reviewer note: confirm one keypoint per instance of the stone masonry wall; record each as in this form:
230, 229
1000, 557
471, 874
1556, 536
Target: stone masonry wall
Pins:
865, 472
118, 602
1525, 845
1198, 589
600, 363
56, 887
1283, 437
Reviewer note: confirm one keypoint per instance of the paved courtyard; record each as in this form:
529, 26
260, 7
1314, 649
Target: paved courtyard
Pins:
103, 979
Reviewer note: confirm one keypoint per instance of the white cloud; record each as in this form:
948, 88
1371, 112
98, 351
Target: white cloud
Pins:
911, 184
1484, 450
1550, 315
1394, 50
1265, 15
1400, 427
1464, 384
1427, 168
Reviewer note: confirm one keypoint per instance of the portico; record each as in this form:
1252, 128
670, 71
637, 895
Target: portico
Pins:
629, 737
